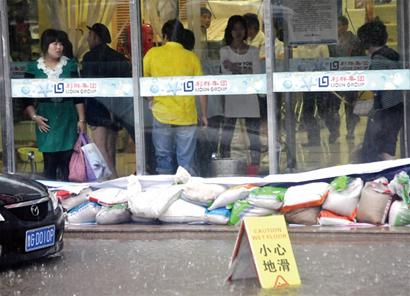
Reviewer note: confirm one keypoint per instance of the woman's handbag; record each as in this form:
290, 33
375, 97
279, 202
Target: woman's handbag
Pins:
97, 168
364, 104
77, 165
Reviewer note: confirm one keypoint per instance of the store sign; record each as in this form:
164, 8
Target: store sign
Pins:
263, 250
214, 85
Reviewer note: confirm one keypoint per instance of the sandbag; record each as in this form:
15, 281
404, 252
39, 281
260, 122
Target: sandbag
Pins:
268, 197
84, 213
71, 200
218, 216
374, 203
242, 208
153, 203
399, 214
201, 193
305, 216
344, 202
305, 196
231, 195
328, 218
109, 196
182, 211
182, 176
115, 214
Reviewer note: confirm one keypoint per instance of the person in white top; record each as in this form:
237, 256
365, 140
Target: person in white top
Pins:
237, 57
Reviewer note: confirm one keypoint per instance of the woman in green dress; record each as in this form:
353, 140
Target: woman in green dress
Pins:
58, 119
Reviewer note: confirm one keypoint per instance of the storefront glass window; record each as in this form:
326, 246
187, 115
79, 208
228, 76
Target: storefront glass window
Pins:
348, 116
83, 40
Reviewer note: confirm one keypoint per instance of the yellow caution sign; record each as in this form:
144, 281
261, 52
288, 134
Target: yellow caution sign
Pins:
263, 250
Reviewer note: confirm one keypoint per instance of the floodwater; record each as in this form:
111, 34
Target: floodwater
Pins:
359, 265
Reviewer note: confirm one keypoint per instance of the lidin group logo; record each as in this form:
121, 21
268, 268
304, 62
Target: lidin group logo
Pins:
324, 81
189, 86
59, 88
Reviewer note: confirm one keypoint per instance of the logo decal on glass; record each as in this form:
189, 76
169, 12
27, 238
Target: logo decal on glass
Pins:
189, 86
324, 81
59, 88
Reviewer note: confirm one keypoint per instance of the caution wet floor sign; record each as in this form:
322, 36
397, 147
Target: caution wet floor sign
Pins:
263, 250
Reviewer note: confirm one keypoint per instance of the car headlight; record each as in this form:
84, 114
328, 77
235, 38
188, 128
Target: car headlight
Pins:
54, 199
2, 218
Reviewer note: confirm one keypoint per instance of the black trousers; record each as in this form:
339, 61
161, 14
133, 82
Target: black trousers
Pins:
328, 109
56, 165
383, 127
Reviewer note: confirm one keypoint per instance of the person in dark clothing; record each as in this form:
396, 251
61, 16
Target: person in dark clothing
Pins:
103, 114
386, 117
348, 45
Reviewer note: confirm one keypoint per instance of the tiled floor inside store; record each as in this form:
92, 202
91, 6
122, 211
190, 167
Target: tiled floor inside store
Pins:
343, 151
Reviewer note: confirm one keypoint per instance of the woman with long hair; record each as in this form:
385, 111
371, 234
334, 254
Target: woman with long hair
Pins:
237, 57
58, 120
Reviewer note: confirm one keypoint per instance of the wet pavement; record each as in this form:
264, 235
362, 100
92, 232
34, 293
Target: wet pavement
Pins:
330, 262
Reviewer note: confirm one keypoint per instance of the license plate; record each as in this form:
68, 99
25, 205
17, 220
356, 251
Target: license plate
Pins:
40, 238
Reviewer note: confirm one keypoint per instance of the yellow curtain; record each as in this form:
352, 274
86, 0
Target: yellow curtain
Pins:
73, 16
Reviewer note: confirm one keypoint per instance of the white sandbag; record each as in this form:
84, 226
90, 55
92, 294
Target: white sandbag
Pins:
259, 212
143, 220
231, 195
75, 199
182, 211
218, 216
305, 196
151, 204
134, 185
268, 197
399, 214
109, 196
83, 213
116, 214
201, 193
182, 176
344, 202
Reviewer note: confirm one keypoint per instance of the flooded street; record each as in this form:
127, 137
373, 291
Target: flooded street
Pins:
351, 265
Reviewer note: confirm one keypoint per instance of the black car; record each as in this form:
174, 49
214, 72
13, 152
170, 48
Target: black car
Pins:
31, 220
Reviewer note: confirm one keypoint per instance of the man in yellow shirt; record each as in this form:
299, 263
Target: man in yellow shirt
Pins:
175, 117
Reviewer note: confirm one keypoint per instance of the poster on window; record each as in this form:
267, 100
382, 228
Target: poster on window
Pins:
311, 21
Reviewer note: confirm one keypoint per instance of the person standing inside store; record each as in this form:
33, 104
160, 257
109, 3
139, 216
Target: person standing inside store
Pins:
100, 62
209, 140
256, 37
175, 117
237, 57
348, 45
327, 107
386, 117
58, 120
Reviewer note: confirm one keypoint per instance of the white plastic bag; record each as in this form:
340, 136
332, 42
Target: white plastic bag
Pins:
95, 162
